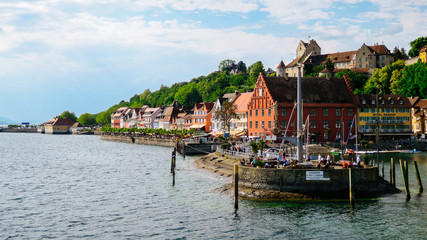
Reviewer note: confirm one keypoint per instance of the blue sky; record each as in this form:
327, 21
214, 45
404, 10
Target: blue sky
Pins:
86, 55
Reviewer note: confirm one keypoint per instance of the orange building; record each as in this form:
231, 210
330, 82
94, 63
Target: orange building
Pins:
202, 116
329, 102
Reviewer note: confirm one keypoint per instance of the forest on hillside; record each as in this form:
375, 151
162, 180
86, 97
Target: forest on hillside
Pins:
396, 78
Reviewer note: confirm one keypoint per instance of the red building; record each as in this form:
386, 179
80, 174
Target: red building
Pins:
330, 103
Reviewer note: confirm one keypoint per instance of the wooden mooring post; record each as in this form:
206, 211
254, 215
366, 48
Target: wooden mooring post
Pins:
392, 172
173, 164
236, 187
382, 168
403, 166
350, 185
417, 173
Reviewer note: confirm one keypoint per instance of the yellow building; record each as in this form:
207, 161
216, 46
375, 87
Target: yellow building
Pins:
393, 113
57, 125
423, 54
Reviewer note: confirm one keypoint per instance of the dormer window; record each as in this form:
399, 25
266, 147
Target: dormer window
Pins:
363, 101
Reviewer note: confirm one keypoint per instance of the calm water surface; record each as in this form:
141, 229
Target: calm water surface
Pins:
71, 187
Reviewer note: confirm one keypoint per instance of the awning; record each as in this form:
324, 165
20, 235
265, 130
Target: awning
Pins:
197, 126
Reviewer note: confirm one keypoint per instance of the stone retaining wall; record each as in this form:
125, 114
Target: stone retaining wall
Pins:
141, 140
295, 180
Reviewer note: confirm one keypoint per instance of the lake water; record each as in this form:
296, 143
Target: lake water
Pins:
79, 187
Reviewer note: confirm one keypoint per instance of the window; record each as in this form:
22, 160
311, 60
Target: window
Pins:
250, 124
349, 123
338, 135
262, 125
325, 112
250, 113
269, 112
260, 92
338, 124
326, 124
363, 101
269, 124
292, 124
313, 112
325, 136
256, 112
262, 112
256, 124
338, 112
283, 124
350, 112
373, 101
313, 124
283, 112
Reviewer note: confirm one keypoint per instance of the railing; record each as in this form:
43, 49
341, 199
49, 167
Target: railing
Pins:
240, 154
384, 121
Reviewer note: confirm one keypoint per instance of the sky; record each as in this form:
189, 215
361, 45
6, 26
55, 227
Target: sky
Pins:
87, 55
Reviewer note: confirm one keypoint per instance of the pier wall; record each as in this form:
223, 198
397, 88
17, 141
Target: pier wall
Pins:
141, 140
297, 180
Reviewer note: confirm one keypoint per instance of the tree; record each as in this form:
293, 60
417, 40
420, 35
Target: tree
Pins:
103, 118
262, 144
329, 65
416, 45
254, 147
188, 95
380, 79
411, 80
69, 115
255, 70
399, 54
226, 113
357, 80
87, 119
226, 65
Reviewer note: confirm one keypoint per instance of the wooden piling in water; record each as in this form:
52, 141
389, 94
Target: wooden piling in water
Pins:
236, 187
350, 185
405, 182
392, 172
382, 168
417, 173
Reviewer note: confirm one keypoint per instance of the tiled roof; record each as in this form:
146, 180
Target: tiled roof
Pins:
242, 101
357, 70
61, 122
314, 90
423, 49
281, 64
380, 49
387, 101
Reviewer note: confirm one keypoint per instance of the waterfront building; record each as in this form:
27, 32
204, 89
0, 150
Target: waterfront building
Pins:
149, 117
419, 117
168, 117
309, 55
118, 117
217, 125
330, 103
239, 125
394, 117
58, 126
202, 116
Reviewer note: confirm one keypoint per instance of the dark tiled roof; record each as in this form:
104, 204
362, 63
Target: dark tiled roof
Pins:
423, 49
281, 64
387, 101
62, 122
314, 90
379, 49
